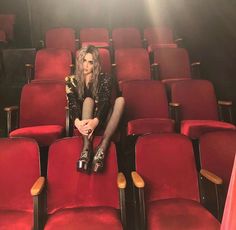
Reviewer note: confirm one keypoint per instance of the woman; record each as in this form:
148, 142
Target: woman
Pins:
89, 96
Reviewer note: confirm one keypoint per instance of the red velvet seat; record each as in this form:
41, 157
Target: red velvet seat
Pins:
77, 200
19, 168
158, 37
126, 38
3, 36
146, 109
132, 64
198, 105
98, 37
7, 22
42, 112
50, 65
217, 152
173, 64
166, 164
61, 38
229, 220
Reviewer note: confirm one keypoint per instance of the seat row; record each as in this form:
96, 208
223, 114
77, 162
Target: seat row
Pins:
166, 180
127, 37
7, 22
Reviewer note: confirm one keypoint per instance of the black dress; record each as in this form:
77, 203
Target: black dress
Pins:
102, 99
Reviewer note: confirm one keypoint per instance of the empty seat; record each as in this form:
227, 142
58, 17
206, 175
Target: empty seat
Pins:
98, 37
173, 64
7, 22
51, 64
199, 112
158, 37
126, 38
42, 113
77, 200
166, 176
61, 38
217, 153
132, 64
146, 109
19, 168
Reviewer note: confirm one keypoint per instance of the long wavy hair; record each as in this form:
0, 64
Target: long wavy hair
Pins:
79, 73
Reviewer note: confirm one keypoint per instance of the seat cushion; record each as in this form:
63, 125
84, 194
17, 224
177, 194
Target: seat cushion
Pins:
98, 218
176, 214
150, 125
16, 220
195, 128
44, 134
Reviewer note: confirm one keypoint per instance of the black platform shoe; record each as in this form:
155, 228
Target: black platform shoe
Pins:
84, 161
98, 160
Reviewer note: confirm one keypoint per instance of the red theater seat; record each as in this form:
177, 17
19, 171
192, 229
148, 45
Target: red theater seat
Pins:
132, 64
61, 38
166, 173
51, 64
126, 38
158, 37
42, 113
217, 152
7, 22
98, 37
19, 168
146, 109
173, 64
198, 105
77, 200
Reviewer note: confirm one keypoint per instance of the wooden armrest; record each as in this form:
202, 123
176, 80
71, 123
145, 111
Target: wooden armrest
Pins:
29, 66
225, 103
137, 180
174, 104
38, 186
179, 40
154, 65
121, 181
113, 65
211, 177
11, 108
195, 63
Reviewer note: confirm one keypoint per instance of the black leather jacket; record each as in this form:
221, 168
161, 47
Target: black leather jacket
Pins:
102, 100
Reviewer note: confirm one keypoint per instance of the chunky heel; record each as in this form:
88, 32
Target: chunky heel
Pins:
84, 161
98, 161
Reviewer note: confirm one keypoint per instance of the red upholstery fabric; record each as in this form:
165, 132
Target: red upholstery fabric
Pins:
158, 35
150, 125
61, 38
43, 104
153, 47
7, 22
175, 214
197, 99
99, 218
3, 36
45, 135
96, 44
126, 38
19, 169
16, 219
173, 63
79, 189
52, 64
166, 163
132, 64
94, 35
229, 220
144, 99
105, 60
195, 128
217, 152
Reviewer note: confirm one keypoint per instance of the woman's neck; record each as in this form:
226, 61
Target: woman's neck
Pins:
88, 79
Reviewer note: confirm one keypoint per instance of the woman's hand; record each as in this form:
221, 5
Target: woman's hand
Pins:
91, 125
80, 125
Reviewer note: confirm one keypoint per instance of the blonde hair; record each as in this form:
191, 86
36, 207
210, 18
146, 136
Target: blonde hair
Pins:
79, 70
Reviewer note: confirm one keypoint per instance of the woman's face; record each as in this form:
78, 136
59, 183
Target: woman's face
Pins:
88, 64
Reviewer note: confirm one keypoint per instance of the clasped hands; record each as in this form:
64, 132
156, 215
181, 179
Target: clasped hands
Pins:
87, 126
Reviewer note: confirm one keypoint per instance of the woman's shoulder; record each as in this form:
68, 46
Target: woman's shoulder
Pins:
71, 80
104, 77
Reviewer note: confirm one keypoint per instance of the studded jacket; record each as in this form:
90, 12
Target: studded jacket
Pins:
102, 100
